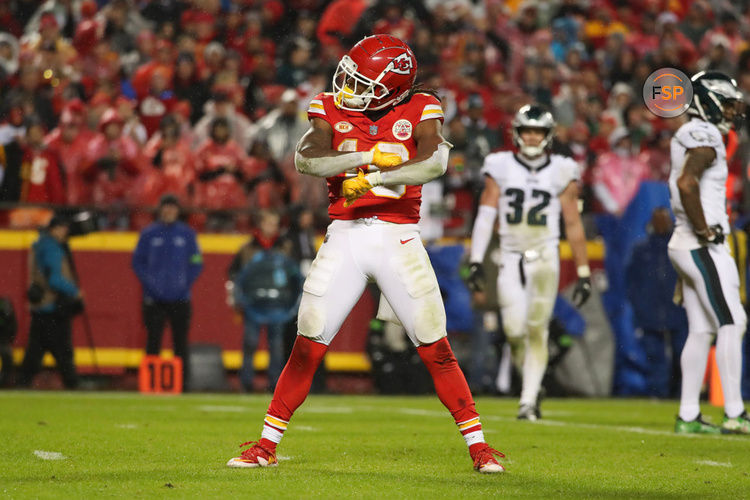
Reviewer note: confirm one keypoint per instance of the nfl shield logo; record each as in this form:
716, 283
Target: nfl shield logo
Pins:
373, 130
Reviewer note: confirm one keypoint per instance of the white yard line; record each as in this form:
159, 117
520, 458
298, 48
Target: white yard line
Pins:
713, 464
580, 425
620, 428
305, 428
126, 426
222, 409
327, 409
49, 455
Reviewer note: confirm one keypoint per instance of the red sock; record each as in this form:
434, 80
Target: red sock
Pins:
291, 389
452, 389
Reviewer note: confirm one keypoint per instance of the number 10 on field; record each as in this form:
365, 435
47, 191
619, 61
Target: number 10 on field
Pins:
160, 375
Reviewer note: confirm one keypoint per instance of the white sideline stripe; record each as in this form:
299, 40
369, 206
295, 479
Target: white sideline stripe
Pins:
327, 409
282, 457
713, 464
425, 413
49, 455
226, 409
621, 428
305, 428
126, 426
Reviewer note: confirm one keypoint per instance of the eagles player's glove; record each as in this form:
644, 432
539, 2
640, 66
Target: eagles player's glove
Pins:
713, 235
582, 291
475, 281
385, 161
352, 189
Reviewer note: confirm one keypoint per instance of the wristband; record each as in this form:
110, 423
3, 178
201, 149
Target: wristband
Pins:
367, 157
375, 178
584, 271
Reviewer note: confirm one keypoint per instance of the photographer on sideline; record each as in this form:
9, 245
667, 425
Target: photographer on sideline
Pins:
55, 299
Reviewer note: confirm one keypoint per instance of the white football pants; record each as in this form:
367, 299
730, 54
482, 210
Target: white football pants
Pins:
527, 289
711, 297
391, 255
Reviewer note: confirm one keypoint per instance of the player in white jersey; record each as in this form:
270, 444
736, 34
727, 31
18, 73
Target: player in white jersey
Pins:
528, 190
710, 281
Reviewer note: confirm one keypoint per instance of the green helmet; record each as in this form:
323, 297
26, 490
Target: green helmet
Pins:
713, 94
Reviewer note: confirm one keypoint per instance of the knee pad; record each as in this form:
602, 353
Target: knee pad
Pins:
513, 326
310, 319
429, 321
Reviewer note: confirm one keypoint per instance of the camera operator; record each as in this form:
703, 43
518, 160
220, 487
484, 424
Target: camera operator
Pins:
54, 299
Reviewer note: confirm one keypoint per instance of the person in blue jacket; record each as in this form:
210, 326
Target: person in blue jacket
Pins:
54, 298
651, 282
267, 289
167, 261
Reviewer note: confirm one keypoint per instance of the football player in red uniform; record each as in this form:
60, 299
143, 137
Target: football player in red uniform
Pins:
376, 139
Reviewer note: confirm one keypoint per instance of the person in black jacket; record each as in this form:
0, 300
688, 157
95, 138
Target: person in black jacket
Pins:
55, 298
8, 328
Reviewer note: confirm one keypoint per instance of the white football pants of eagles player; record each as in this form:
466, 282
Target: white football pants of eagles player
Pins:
527, 288
363, 250
711, 297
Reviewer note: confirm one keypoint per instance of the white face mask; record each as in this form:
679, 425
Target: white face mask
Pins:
531, 151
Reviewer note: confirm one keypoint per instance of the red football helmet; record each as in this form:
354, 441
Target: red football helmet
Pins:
379, 71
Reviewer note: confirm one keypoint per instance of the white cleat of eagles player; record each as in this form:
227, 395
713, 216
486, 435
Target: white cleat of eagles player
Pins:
710, 280
529, 190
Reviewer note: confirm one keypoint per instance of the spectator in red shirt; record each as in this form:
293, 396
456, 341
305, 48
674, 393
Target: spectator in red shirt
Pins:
132, 125
172, 165
163, 60
114, 160
393, 22
159, 101
40, 170
337, 23
222, 167
69, 142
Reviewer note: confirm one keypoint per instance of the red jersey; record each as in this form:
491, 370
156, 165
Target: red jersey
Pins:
42, 179
393, 133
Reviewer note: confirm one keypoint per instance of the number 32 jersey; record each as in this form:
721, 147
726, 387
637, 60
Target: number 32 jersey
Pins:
529, 205
392, 133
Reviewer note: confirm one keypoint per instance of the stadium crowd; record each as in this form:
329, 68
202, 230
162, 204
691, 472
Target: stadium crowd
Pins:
112, 104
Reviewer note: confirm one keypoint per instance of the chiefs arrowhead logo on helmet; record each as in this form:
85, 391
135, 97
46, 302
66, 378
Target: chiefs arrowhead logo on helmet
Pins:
402, 64
379, 71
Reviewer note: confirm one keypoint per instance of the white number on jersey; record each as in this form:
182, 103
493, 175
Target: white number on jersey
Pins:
385, 147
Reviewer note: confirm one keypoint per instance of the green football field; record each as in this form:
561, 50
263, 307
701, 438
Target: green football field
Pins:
101, 445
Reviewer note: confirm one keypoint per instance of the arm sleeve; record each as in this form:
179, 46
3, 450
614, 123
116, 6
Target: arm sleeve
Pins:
328, 166
482, 232
417, 173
